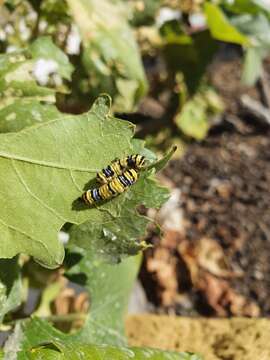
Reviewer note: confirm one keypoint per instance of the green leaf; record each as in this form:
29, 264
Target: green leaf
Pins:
75, 351
110, 51
145, 14
220, 26
23, 102
121, 234
191, 58
252, 65
107, 239
10, 286
109, 288
101, 245
17, 79
44, 48
158, 165
46, 169
192, 120
247, 6
24, 112
193, 116
257, 27
41, 340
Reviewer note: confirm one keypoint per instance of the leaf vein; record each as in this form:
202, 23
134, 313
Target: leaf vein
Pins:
45, 163
23, 182
25, 234
74, 182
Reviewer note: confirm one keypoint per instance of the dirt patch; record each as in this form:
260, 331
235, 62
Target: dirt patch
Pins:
218, 264
225, 75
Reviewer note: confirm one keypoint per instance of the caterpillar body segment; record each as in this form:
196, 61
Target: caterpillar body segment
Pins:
111, 189
118, 166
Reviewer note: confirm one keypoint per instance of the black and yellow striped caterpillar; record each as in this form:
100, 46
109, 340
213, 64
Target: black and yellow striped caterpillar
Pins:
118, 166
111, 189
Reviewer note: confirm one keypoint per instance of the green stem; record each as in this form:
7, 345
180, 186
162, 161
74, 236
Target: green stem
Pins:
65, 318
53, 318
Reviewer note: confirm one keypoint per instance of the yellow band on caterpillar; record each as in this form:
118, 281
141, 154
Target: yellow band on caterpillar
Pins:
117, 167
113, 188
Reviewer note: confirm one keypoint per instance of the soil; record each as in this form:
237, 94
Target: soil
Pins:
218, 263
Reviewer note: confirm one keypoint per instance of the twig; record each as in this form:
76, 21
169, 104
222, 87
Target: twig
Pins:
265, 88
66, 318
63, 318
255, 108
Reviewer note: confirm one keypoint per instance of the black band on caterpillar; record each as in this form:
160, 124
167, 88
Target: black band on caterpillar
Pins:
113, 188
117, 167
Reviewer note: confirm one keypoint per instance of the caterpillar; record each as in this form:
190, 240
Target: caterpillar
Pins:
118, 166
111, 189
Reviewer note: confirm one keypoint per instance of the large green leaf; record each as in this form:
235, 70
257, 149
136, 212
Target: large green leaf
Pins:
108, 241
59, 350
220, 26
46, 168
110, 54
38, 340
121, 234
10, 286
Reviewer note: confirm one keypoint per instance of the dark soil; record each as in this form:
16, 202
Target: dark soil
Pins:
225, 197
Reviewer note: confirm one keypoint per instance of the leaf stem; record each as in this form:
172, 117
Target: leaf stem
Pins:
53, 318
66, 318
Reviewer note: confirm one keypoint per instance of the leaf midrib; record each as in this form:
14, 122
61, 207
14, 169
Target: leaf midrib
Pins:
46, 163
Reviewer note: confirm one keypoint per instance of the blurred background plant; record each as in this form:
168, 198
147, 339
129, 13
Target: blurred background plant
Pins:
155, 59
148, 55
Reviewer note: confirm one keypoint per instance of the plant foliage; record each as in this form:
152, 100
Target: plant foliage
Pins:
47, 167
57, 57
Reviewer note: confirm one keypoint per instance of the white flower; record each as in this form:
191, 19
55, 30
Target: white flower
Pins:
43, 68
2, 35
197, 20
63, 237
25, 32
9, 29
73, 41
42, 25
11, 48
166, 14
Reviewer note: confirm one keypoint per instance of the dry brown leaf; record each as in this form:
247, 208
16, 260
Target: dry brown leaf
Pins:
224, 300
164, 267
171, 239
188, 255
211, 257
